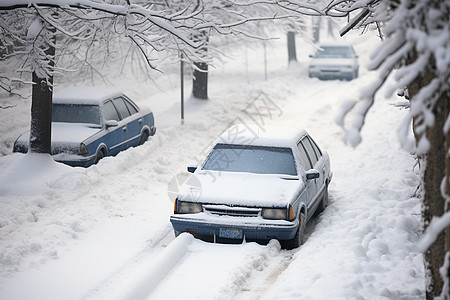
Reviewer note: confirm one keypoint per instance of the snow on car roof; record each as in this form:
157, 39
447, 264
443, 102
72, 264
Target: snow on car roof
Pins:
274, 136
84, 95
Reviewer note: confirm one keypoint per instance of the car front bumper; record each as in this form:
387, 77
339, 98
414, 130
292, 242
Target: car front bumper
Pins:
75, 160
205, 225
332, 74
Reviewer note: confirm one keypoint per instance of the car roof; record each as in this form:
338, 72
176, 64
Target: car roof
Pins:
273, 136
84, 95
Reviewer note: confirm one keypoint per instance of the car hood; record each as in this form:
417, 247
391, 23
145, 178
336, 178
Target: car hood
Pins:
241, 189
331, 62
67, 133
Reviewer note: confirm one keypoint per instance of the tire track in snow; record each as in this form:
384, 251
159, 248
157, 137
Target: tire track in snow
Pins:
112, 284
261, 280
223, 269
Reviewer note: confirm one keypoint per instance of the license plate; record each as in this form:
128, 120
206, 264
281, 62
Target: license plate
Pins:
231, 233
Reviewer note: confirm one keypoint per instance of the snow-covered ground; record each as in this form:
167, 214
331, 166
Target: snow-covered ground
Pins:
104, 232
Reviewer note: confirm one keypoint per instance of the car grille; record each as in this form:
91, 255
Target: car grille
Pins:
224, 210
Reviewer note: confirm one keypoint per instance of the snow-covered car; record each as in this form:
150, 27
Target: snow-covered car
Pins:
334, 61
255, 185
91, 123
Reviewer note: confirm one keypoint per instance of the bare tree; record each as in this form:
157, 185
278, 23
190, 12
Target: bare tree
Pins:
46, 38
238, 20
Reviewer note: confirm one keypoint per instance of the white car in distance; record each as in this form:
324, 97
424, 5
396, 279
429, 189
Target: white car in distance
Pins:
334, 61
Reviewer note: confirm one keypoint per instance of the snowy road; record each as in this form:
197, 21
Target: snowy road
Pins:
104, 232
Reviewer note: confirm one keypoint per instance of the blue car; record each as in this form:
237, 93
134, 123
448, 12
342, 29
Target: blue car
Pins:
255, 185
91, 123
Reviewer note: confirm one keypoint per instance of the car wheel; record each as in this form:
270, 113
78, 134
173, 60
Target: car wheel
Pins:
144, 138
100, 154
299, 235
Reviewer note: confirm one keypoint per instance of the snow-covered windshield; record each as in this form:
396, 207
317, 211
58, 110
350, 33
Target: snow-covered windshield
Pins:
252, 159
76, 113
334, 52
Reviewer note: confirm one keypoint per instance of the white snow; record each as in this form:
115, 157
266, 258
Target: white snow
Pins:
104, 232
232, 188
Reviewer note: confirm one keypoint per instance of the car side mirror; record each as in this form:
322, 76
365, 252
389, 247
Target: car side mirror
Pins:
312, 174
111, 123
191, 168
310, 55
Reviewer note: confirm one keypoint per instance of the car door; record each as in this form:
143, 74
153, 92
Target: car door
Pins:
130, 116
306, 163
115, 137
317, 163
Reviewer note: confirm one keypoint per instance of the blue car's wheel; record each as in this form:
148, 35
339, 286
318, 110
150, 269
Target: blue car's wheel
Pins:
100, 154
144, 138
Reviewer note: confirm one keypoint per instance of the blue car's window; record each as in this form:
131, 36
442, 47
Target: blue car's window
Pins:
121, 107
110, 111
334, 52
252, 159
76, 113
131, 107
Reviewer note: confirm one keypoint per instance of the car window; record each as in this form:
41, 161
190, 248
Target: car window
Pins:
251, 159
121, 107
315, 147
76, 113
305, 160
309, 150
110, 111
334, 52
130, 106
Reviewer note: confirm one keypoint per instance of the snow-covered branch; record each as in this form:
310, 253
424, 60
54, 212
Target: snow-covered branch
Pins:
419, 41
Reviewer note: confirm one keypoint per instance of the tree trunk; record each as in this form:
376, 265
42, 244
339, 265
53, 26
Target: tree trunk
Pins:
200, 81
41, 98
433, 202
316, 29
292, 51
435, 161
200, 73
330, 28
41, 116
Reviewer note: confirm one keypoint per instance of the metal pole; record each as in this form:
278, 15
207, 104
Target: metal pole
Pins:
265, 62
182, 87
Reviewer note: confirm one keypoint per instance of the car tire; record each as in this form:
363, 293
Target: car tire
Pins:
299, 235
144, 138
100, 154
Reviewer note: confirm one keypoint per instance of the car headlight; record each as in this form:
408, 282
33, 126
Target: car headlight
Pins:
83, 149
274, 213
182, 207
